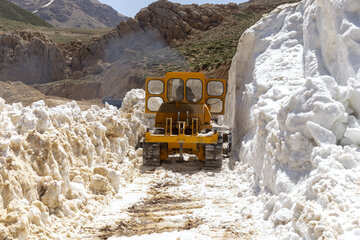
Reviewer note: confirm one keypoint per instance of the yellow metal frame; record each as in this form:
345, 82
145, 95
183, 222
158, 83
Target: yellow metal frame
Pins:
168, 129
193, 143
222, 97
185, 76
181, 138
195, 126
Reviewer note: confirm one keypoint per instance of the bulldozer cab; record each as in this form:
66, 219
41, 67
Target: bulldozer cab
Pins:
190, 88
184, 105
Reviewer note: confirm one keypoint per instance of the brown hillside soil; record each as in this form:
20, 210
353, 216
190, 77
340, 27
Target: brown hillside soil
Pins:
72, 89
13, 92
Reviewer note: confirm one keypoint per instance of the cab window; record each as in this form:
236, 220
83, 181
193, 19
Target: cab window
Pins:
194, 90
215, 88
154, 103
175, 90
215, 105
155, 87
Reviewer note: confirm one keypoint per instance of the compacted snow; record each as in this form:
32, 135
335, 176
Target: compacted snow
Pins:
179, 201
295, 108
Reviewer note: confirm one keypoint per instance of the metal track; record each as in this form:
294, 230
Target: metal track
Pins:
213, 156
151, 154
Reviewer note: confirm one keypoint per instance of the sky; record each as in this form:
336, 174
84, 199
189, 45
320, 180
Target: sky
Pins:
130, 8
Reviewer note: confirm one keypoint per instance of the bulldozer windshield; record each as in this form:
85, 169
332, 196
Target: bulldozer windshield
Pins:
185, 88
175, 90
194, 90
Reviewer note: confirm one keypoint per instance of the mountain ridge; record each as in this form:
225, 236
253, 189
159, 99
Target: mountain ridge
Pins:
73, 13
13, 12
201, 38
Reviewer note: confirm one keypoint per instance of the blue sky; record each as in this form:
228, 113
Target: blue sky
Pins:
130, 8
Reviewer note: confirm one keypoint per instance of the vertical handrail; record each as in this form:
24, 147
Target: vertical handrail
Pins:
195, 126
181, 128
168, 129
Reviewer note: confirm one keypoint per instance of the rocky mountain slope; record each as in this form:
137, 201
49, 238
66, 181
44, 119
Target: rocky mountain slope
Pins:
163, 37
154, 27
193, 32
11, 11
73, 13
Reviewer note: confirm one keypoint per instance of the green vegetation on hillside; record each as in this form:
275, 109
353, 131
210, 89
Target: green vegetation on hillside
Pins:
217, 46
58, 35
67, 35
11, 11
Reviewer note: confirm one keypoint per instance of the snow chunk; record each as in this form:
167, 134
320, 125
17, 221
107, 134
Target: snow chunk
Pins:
282, 216
321, 135
353, 134
355, 99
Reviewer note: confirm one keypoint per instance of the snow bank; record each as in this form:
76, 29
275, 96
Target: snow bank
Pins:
294, 103
57, 163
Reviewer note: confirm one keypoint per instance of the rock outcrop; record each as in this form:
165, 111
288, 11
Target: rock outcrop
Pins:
30, 58
73, 13
158, 25
175, 21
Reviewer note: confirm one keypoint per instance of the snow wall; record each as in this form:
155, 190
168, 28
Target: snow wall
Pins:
294, 104
57, 164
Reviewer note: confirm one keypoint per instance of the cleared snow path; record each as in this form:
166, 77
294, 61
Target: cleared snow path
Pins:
172, 202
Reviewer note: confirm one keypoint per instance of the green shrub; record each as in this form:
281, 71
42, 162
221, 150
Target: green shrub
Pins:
11, 11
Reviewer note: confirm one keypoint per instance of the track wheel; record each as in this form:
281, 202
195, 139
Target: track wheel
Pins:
213, 156
151, 154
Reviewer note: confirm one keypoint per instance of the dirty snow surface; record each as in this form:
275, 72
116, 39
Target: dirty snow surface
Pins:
294, 106
60, 166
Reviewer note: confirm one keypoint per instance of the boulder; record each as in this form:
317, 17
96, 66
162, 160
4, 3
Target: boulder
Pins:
77, 75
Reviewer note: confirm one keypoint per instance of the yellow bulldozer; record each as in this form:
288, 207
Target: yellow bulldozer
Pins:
185, 105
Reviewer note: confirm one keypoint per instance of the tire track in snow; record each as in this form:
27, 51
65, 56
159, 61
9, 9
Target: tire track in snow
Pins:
186, 204
163, 209
161, 213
